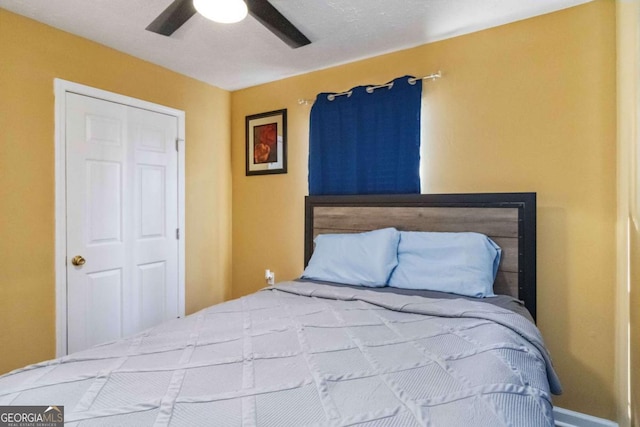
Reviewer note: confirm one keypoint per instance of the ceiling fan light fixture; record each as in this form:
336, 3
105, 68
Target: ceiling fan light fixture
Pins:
223, 11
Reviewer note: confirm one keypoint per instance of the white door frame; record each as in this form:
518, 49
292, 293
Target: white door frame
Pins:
61, 87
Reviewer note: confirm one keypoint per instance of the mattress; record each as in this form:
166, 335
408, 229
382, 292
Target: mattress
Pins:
306, 353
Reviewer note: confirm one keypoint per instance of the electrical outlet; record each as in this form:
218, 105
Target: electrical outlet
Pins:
270, 277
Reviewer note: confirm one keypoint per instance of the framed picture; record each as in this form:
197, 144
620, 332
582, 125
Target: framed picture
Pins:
266, 135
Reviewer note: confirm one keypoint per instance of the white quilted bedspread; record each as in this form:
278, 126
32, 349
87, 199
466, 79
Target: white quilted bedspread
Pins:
308, 354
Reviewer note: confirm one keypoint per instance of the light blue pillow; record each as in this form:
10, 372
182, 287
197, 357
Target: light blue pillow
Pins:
457, 263
365, 259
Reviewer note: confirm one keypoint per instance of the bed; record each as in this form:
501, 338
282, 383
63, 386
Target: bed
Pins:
308, 352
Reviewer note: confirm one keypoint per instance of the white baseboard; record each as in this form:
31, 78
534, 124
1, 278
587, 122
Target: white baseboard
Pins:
567, 418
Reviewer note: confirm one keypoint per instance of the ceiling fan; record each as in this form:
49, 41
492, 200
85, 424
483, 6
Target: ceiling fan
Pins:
179, 12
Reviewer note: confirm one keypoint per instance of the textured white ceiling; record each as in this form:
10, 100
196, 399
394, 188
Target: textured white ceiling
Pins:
235, 56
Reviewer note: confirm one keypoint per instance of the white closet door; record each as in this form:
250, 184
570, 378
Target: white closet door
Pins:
122, 197
154, 244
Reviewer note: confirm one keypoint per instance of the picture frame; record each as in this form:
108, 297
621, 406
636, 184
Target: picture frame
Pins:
266, 143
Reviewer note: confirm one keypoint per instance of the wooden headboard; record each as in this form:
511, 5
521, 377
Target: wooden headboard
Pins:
507, 218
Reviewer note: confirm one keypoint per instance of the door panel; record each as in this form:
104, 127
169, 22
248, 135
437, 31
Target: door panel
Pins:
122, 216
104, 130
104, 305
152, 279
104, 195
152, 202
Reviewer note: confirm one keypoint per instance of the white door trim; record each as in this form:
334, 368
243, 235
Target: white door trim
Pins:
61, 87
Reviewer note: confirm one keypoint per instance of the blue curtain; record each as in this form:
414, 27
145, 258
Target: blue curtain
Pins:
366, 143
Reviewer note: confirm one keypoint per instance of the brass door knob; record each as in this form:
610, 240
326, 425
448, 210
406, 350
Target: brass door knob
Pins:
78, 260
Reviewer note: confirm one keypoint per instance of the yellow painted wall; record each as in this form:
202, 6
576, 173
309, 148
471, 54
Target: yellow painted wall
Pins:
633, 97
528, 106
634, 309
31, 56
628, 307
629, 99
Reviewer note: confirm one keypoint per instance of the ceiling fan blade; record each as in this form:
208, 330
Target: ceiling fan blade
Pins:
172, 17
269, 16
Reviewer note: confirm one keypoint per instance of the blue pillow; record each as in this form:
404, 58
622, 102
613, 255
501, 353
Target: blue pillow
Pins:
365, 259
458, 263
